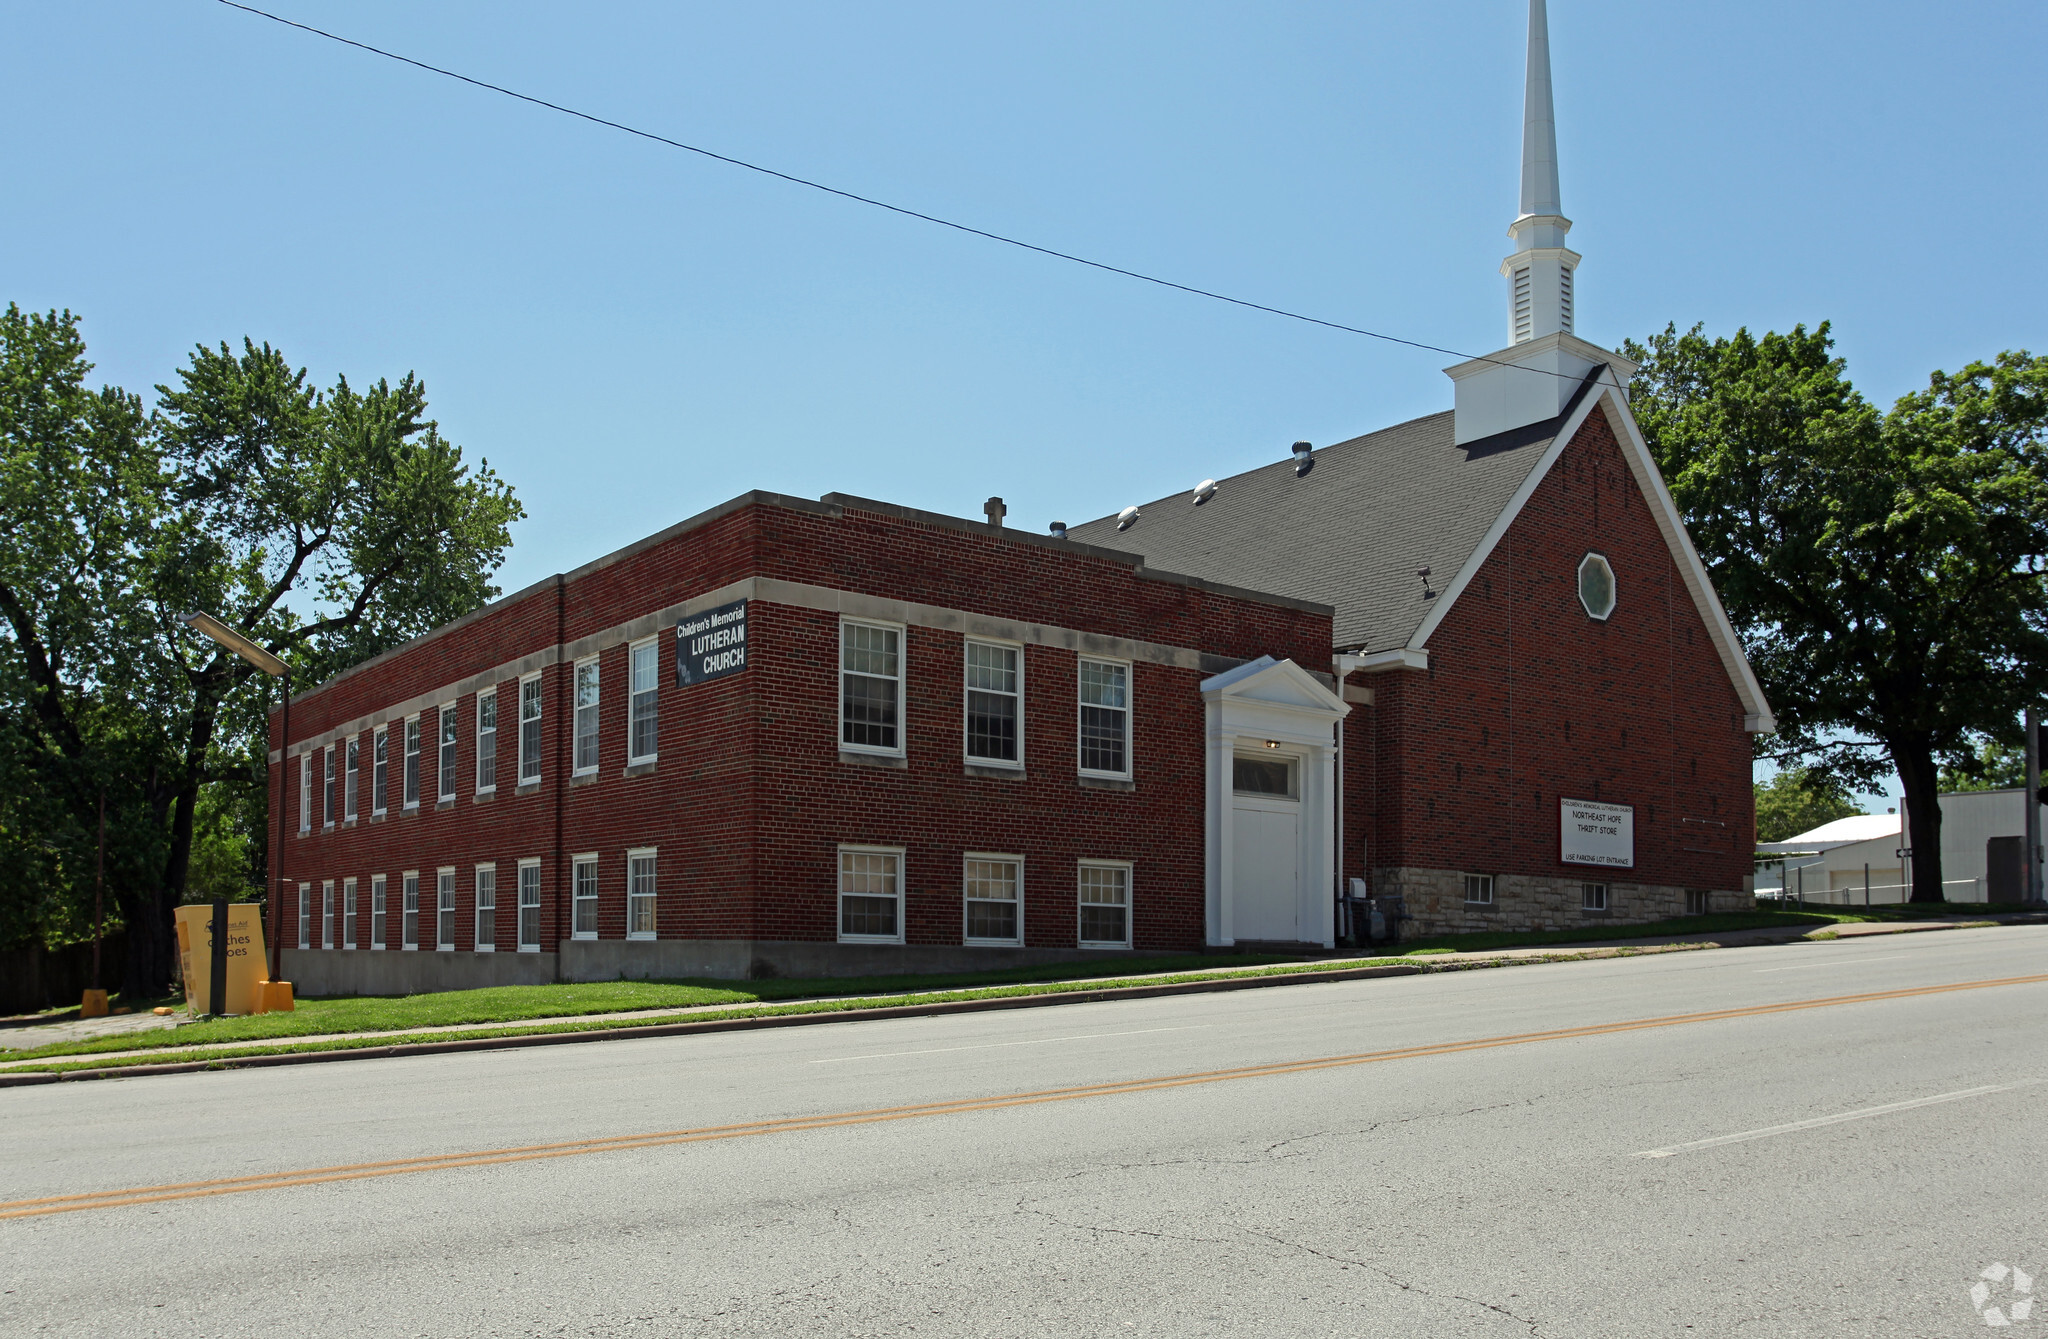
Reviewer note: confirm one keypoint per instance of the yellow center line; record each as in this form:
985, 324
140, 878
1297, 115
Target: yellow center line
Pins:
234, 1185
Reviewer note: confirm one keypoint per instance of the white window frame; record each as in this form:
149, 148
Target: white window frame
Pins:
444, 908
642, 703
326, 913
1596, 559
1129, 898
650, 854
351, 768
1016, 649
327, 796
902, 672
580, 899
380, 912
486, 741
966, 911
305, 916
529, 900
1595, 896
305, 795
539, 732
839, 875
380, 771
348, 913
584, 875
409, 765
1479, 890
1130, 679
483, 897
409, 911
447, 736
587, 728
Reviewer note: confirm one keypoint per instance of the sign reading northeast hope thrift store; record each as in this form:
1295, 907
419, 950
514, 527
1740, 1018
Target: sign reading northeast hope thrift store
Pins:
712, 644
1598, 833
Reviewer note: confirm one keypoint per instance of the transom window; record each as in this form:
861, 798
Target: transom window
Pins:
586, 716
995, 899
995, 703
585, 925
870, 894
1596, 586
1479, 890
1275, 777
640, 889
870, 688
486, 741
529, 906
529, 730
1105, 718
447, 761
486, 908
1105, 905
646, 704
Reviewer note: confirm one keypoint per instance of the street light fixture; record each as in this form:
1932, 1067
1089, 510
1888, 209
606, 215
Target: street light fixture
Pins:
277, 669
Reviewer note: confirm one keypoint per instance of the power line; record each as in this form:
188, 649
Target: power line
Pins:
869, 200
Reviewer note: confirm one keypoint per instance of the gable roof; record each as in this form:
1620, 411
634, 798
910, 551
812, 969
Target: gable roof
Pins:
1353, 533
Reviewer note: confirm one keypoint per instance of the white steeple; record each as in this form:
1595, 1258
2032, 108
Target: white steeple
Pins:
1536, 375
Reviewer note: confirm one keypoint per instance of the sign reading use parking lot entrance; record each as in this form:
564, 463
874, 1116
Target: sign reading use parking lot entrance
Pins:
712, 644
1595, 832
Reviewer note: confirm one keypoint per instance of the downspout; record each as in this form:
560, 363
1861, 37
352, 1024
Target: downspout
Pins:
1342, 665
566, 725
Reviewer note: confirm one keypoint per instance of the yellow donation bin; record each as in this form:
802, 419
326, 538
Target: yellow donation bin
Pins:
250, 990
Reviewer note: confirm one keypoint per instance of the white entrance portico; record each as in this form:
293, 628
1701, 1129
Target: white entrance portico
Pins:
1271, 807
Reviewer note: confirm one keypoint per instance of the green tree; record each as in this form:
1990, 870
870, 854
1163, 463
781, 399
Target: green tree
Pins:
1796, 800
1883, 569
328, 526
1996, 765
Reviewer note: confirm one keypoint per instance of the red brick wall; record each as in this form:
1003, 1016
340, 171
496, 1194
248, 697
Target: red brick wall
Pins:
1527, 699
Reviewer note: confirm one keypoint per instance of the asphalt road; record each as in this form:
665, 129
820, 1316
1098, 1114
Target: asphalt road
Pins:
1499, 1190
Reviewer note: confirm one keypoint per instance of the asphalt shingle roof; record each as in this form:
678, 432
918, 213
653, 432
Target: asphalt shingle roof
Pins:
1352, 533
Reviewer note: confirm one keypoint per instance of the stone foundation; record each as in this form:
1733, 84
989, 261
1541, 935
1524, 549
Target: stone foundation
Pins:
1437, 905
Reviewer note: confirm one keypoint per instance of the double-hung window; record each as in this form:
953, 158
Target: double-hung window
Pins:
486, 741
412, 762
380, 770
640, 894
644, 739
444, 891
995, 899
1105, 694
327, 913
348, 913
585, 924
995, 704
586, 716
870, 688
380, 921
1105, 904
870, 895
445, 768
529, 906
327, 788
529, 730
409, 910
486, 908
305, 915
305, 796
348, 789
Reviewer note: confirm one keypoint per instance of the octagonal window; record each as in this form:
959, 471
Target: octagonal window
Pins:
1596, 586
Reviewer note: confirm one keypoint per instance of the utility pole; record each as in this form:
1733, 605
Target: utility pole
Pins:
2030, 859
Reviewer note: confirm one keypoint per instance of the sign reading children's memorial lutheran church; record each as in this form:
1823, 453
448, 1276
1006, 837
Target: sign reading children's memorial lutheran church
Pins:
1597, 833
712, 644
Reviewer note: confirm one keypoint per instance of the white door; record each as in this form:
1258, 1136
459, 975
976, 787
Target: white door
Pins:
1266, 872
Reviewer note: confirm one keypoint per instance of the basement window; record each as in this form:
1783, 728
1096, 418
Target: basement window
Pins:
1596, 586
1479, 890
1593, 897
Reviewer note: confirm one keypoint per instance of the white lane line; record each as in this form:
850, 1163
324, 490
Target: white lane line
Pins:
995, 1045
1818, 1121
1856, 962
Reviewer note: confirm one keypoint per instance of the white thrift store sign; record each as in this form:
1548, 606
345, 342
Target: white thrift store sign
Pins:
1597, 833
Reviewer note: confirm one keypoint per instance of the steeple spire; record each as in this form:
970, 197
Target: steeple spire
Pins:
1539, 121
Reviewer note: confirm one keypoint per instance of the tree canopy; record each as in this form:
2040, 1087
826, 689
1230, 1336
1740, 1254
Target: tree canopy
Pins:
1884, 569
328, 525
1795, 800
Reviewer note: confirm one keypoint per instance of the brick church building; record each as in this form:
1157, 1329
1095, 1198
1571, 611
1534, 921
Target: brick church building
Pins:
1472, 661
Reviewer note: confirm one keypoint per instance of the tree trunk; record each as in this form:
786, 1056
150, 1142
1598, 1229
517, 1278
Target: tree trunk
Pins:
152, 943
1920, 780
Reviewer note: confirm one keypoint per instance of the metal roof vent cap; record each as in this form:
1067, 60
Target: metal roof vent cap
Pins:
1204, 491
1126, 518
1059, 529
1303, 461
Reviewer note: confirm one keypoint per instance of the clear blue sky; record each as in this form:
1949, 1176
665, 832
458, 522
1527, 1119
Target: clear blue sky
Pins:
631, 334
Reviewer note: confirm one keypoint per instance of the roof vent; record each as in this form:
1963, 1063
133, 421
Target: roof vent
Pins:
1127, 518
1427, 593
1303, 461
1204, 491
1059, 529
